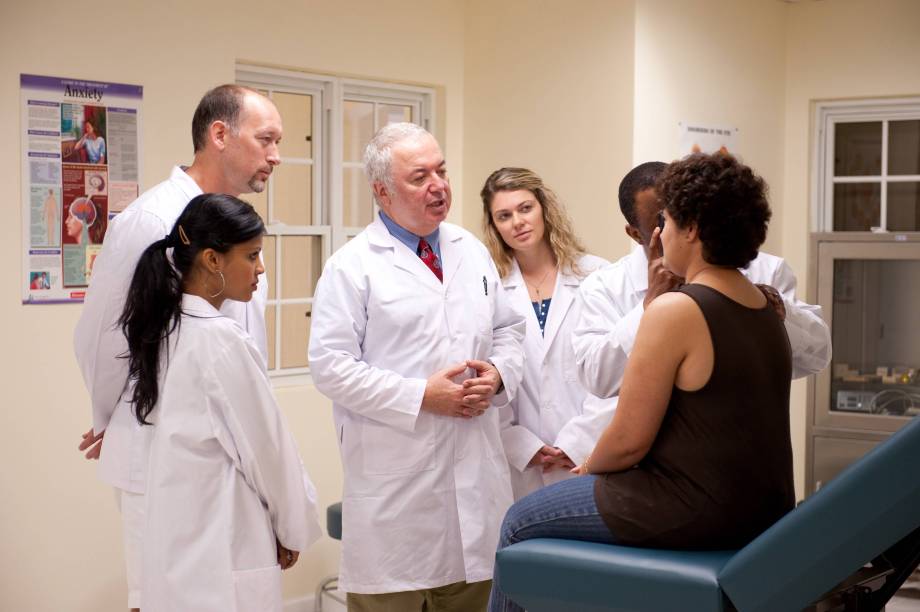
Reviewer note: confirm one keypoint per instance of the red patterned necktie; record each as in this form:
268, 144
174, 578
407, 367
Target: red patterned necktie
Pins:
430, 258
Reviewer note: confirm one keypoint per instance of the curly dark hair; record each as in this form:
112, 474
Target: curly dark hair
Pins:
724, 199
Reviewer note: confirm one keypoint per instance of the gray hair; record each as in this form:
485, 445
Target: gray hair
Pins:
378, 155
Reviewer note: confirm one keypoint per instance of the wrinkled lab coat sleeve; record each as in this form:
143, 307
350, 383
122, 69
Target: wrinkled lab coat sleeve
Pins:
809, 335
520, 443
507, 336
578, 437
605, 332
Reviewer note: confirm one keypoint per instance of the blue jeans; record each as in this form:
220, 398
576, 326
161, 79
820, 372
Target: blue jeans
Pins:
562, 510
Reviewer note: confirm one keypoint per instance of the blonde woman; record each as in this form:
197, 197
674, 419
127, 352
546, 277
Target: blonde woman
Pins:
552, 423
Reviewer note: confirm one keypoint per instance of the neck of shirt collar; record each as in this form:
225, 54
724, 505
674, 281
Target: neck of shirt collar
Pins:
408, 238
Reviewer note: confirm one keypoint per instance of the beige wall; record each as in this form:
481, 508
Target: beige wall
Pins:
548, 86
58, 525
714, 62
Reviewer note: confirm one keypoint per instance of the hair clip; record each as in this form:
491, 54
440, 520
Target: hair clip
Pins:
184, 237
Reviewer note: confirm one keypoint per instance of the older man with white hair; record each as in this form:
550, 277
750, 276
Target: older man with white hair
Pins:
413, 340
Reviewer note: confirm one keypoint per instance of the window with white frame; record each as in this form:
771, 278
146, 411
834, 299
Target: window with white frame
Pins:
318, 198
867, 166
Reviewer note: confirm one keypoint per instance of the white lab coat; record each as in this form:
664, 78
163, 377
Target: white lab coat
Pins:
424, 494
98, 341
551, 407
613, 296
224, 477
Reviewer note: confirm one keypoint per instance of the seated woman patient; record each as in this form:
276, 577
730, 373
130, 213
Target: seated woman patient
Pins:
698, 454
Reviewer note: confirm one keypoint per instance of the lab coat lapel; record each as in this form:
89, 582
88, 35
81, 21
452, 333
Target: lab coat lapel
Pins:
520, 300
513, 279
563, 296
451, 243
401, 256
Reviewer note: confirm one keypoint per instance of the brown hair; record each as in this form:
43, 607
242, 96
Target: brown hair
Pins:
559, 233
223, 103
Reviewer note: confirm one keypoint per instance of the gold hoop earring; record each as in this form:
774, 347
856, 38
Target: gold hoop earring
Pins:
223, 284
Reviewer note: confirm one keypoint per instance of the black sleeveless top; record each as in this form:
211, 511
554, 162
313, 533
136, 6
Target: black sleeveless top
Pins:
720, 469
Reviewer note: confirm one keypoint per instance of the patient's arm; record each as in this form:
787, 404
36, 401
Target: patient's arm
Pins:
672, 347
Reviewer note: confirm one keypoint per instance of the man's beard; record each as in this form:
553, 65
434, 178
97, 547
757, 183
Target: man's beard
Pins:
256, 185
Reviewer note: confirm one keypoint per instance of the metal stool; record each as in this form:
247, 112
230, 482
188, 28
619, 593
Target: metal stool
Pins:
328, 586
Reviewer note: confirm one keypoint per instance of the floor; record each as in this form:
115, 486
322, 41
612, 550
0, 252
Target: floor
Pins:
908, 598
903, 604
334, 606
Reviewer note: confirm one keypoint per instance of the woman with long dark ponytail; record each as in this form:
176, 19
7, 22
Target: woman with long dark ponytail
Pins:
228, 502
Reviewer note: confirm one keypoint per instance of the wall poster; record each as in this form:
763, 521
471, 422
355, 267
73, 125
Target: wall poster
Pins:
80, 167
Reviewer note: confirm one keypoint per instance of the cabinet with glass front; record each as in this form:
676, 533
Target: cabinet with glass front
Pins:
868, 286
